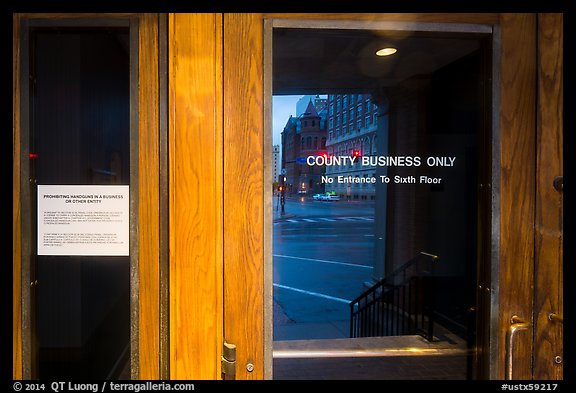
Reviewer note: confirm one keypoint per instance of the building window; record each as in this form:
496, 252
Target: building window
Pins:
313, 123
338, 105
368, 120
302, 145
344, 131
366, 146
337, 120
305, 123
309, 143
331, 110
315, 143
351, 126
359, 110
345, 101
323, 146
344, 117
330, 135
331, 122
359, 123
368, 104
352, 99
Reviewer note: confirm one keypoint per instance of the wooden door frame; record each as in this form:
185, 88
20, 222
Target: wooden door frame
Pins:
244, 190
147, 222
195, 195
481, 25
531, 227
548, 335
513, 175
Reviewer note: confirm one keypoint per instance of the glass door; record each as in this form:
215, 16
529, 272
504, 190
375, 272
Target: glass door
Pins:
80, 201
379, 216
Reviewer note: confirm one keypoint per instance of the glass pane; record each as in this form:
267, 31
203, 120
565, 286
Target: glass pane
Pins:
79, 135
375, 235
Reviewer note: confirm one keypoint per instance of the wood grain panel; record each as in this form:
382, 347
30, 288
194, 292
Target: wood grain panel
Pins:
16, 228
549, 208
243, 191
195, 193
148, 198
517, 184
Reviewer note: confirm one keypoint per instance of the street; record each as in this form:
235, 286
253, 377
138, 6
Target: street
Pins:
323, 254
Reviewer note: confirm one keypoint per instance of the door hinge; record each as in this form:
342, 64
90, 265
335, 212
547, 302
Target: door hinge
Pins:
228, 361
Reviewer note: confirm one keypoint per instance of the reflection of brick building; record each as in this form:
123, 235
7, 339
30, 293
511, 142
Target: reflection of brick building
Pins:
303, 136
302, 104
352, 125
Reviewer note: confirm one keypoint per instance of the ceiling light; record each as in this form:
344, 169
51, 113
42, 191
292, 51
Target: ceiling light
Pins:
386, 51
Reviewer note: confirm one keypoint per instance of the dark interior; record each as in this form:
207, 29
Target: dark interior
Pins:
80, 135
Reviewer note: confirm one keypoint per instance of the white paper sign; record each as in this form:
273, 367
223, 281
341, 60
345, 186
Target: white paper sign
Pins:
83, 220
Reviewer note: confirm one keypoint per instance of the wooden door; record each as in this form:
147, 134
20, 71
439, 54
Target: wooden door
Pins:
244, 201
219, 263
531, 279
516, 193
548, 302
520, 189
216, 202
220, 244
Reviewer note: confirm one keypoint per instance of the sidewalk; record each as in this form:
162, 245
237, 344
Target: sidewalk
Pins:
277, 216
287, 329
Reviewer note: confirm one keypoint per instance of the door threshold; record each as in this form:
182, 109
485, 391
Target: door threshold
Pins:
413, 345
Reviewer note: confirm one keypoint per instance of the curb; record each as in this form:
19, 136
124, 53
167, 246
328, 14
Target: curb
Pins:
284, 217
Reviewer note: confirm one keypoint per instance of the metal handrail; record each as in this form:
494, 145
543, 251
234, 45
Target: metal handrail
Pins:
388, 308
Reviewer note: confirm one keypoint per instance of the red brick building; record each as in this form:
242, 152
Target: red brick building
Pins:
304, 136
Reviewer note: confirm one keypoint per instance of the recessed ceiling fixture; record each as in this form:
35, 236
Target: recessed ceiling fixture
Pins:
386, 51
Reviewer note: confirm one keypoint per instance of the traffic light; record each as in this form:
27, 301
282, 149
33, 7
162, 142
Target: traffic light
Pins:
356, 153
280, 188
325, 155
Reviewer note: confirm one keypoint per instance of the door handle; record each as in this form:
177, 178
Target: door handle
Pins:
516, 325
555, 318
